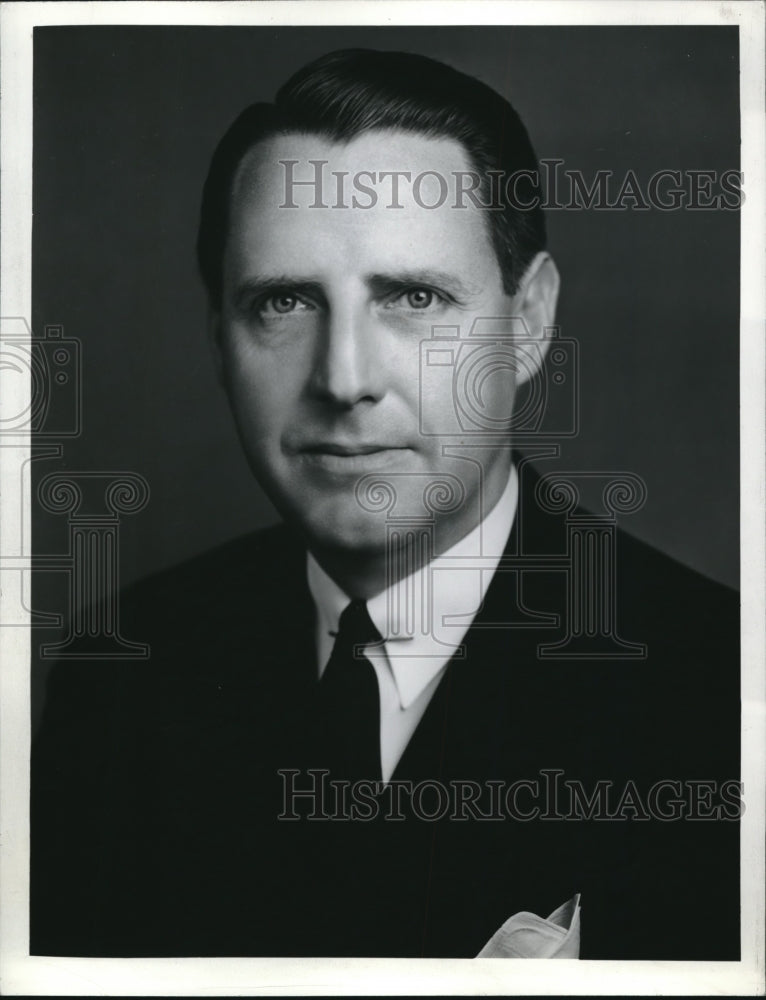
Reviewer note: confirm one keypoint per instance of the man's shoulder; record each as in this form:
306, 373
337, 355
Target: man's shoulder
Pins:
642, 582
202, 614
245, 576
673, 600
272, 554
217, 620
593, 567
642, 557
628, 637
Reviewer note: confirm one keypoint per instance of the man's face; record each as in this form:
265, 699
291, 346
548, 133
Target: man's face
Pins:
322, 317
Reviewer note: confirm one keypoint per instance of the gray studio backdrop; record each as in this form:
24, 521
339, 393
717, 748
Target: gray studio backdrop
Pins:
125, 120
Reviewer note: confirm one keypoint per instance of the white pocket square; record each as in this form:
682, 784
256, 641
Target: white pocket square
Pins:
525, 935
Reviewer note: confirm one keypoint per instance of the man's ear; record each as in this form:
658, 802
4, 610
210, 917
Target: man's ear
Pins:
214, 338
535, 302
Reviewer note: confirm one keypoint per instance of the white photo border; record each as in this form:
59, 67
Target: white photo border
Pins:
35, 975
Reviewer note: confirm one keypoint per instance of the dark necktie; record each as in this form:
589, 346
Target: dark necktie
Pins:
348, 703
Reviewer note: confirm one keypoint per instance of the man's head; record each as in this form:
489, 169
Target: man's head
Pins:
345, 94
321, 297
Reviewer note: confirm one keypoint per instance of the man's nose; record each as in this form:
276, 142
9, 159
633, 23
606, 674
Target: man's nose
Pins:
349, 367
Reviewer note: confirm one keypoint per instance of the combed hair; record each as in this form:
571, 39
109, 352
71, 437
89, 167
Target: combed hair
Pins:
346, 93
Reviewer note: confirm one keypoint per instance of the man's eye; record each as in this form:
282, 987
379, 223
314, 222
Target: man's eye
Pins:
280, 304
418, 299
283, 303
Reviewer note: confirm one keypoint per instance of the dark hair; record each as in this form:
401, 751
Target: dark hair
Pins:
349, 92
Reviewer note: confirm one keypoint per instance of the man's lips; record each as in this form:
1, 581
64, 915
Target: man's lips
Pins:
348, 450
352, 458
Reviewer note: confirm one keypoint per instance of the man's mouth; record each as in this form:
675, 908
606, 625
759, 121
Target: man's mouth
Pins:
348, 450
354, 458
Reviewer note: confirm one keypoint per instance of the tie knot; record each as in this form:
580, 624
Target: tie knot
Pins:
356, 628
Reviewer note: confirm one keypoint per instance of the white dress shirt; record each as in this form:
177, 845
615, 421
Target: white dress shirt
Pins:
418, 642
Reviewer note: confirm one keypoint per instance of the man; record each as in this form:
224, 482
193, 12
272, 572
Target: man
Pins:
396, 722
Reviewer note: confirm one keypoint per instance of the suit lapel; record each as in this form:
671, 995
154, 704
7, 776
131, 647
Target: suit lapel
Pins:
489, 701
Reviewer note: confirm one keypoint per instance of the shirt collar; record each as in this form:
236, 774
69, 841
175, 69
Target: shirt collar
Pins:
416, 657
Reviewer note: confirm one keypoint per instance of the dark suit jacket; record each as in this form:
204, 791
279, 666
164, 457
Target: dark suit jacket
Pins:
156, 789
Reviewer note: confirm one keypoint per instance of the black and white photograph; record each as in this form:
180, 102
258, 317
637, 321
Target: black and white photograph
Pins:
382, 453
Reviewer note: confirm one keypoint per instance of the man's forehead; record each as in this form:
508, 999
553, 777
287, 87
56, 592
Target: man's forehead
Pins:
318, 202
377, 169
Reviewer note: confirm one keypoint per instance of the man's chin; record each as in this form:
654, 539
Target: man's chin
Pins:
361, 535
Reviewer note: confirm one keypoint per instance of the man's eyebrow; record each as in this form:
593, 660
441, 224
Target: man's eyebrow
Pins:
427, 277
